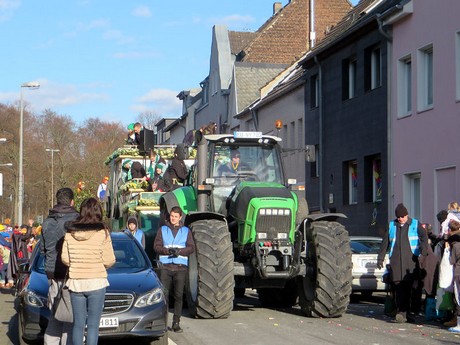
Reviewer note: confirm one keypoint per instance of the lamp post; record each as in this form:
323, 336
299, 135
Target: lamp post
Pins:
52, 173
31, 85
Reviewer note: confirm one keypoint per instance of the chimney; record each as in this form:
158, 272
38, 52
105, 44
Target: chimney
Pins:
276, 7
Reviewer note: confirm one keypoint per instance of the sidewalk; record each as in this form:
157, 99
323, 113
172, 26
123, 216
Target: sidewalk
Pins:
9, 322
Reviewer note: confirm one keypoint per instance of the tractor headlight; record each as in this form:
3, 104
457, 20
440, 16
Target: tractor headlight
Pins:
262, 235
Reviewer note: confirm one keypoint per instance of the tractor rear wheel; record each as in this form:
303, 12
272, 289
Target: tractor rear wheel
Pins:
326, 288
211, 282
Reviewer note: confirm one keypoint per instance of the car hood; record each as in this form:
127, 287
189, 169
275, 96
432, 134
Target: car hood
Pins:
137, 282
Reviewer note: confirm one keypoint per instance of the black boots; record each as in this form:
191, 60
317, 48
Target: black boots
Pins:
176, 328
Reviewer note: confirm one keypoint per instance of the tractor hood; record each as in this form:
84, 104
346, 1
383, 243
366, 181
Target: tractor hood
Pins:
246, 191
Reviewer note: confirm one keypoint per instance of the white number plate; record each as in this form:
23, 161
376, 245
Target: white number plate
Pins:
108, 322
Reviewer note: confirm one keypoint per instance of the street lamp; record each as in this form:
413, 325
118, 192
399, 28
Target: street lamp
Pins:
31, 85
52, 173
6, 164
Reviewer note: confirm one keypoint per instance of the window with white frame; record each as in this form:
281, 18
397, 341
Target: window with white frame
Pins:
457, 64
425, 78
404, 87
352, 182
412, 194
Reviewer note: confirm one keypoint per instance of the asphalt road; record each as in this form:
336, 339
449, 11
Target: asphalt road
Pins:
250, 324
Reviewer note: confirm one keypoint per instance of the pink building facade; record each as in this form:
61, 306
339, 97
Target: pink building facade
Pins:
424, 121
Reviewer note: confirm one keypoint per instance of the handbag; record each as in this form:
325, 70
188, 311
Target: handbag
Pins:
446, 271
63, 307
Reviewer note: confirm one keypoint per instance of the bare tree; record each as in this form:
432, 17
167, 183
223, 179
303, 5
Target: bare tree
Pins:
149, 119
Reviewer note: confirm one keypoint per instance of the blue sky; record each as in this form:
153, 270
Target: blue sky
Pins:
113, 59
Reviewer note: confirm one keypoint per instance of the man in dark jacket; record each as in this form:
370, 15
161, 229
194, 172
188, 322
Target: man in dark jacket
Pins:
53, 232
173, 244
407, 240
176, 174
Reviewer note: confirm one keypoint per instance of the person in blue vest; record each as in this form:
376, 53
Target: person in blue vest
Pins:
407, 240
138, 234
173, 244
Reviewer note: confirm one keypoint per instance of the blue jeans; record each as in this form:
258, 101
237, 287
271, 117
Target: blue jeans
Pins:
87, 310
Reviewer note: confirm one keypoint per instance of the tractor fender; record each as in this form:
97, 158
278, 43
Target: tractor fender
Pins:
194, 216
332, 217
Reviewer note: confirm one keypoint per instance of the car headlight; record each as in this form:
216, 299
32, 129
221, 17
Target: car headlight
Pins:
34, 300
153, 297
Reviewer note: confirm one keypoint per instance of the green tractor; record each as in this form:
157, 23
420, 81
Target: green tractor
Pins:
252, 230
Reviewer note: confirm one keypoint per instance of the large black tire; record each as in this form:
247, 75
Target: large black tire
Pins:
302, 210
325, 290
211, 281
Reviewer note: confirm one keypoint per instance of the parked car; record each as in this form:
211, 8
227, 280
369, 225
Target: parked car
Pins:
135, 304
367, 278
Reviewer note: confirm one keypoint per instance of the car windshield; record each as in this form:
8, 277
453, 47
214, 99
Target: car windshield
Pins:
365, 246
129, 258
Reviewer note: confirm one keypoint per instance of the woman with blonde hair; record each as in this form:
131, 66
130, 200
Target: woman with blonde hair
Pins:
88, 252
453, 213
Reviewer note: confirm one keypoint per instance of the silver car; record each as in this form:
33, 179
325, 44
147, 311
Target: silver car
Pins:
367, 278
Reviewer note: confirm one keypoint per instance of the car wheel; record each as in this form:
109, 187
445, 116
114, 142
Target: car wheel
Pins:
20, 331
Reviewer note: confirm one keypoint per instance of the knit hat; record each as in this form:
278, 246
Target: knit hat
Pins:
131, 127
132, 220
401, 211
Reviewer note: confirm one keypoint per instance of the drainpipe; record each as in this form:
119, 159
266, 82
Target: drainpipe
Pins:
254, 119
389, 40
320, 134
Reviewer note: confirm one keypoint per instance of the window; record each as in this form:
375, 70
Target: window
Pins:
425, 78
352, 182
314, 91
314, 166
412, 194
349, 67
457, 64
204, 91
300, 138
404, 94
373, 68
373, 178
292, 135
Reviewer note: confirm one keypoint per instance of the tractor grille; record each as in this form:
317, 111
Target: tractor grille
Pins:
273, 222
117, 303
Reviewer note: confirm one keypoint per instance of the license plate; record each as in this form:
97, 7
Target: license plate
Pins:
108, 322
368, 263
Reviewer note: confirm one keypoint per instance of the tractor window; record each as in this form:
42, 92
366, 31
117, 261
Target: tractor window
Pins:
252, 163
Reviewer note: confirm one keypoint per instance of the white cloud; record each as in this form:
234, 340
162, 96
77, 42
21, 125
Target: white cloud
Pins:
118, 36
7, 8
52, 95
142, 11
162, 101
234, 20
